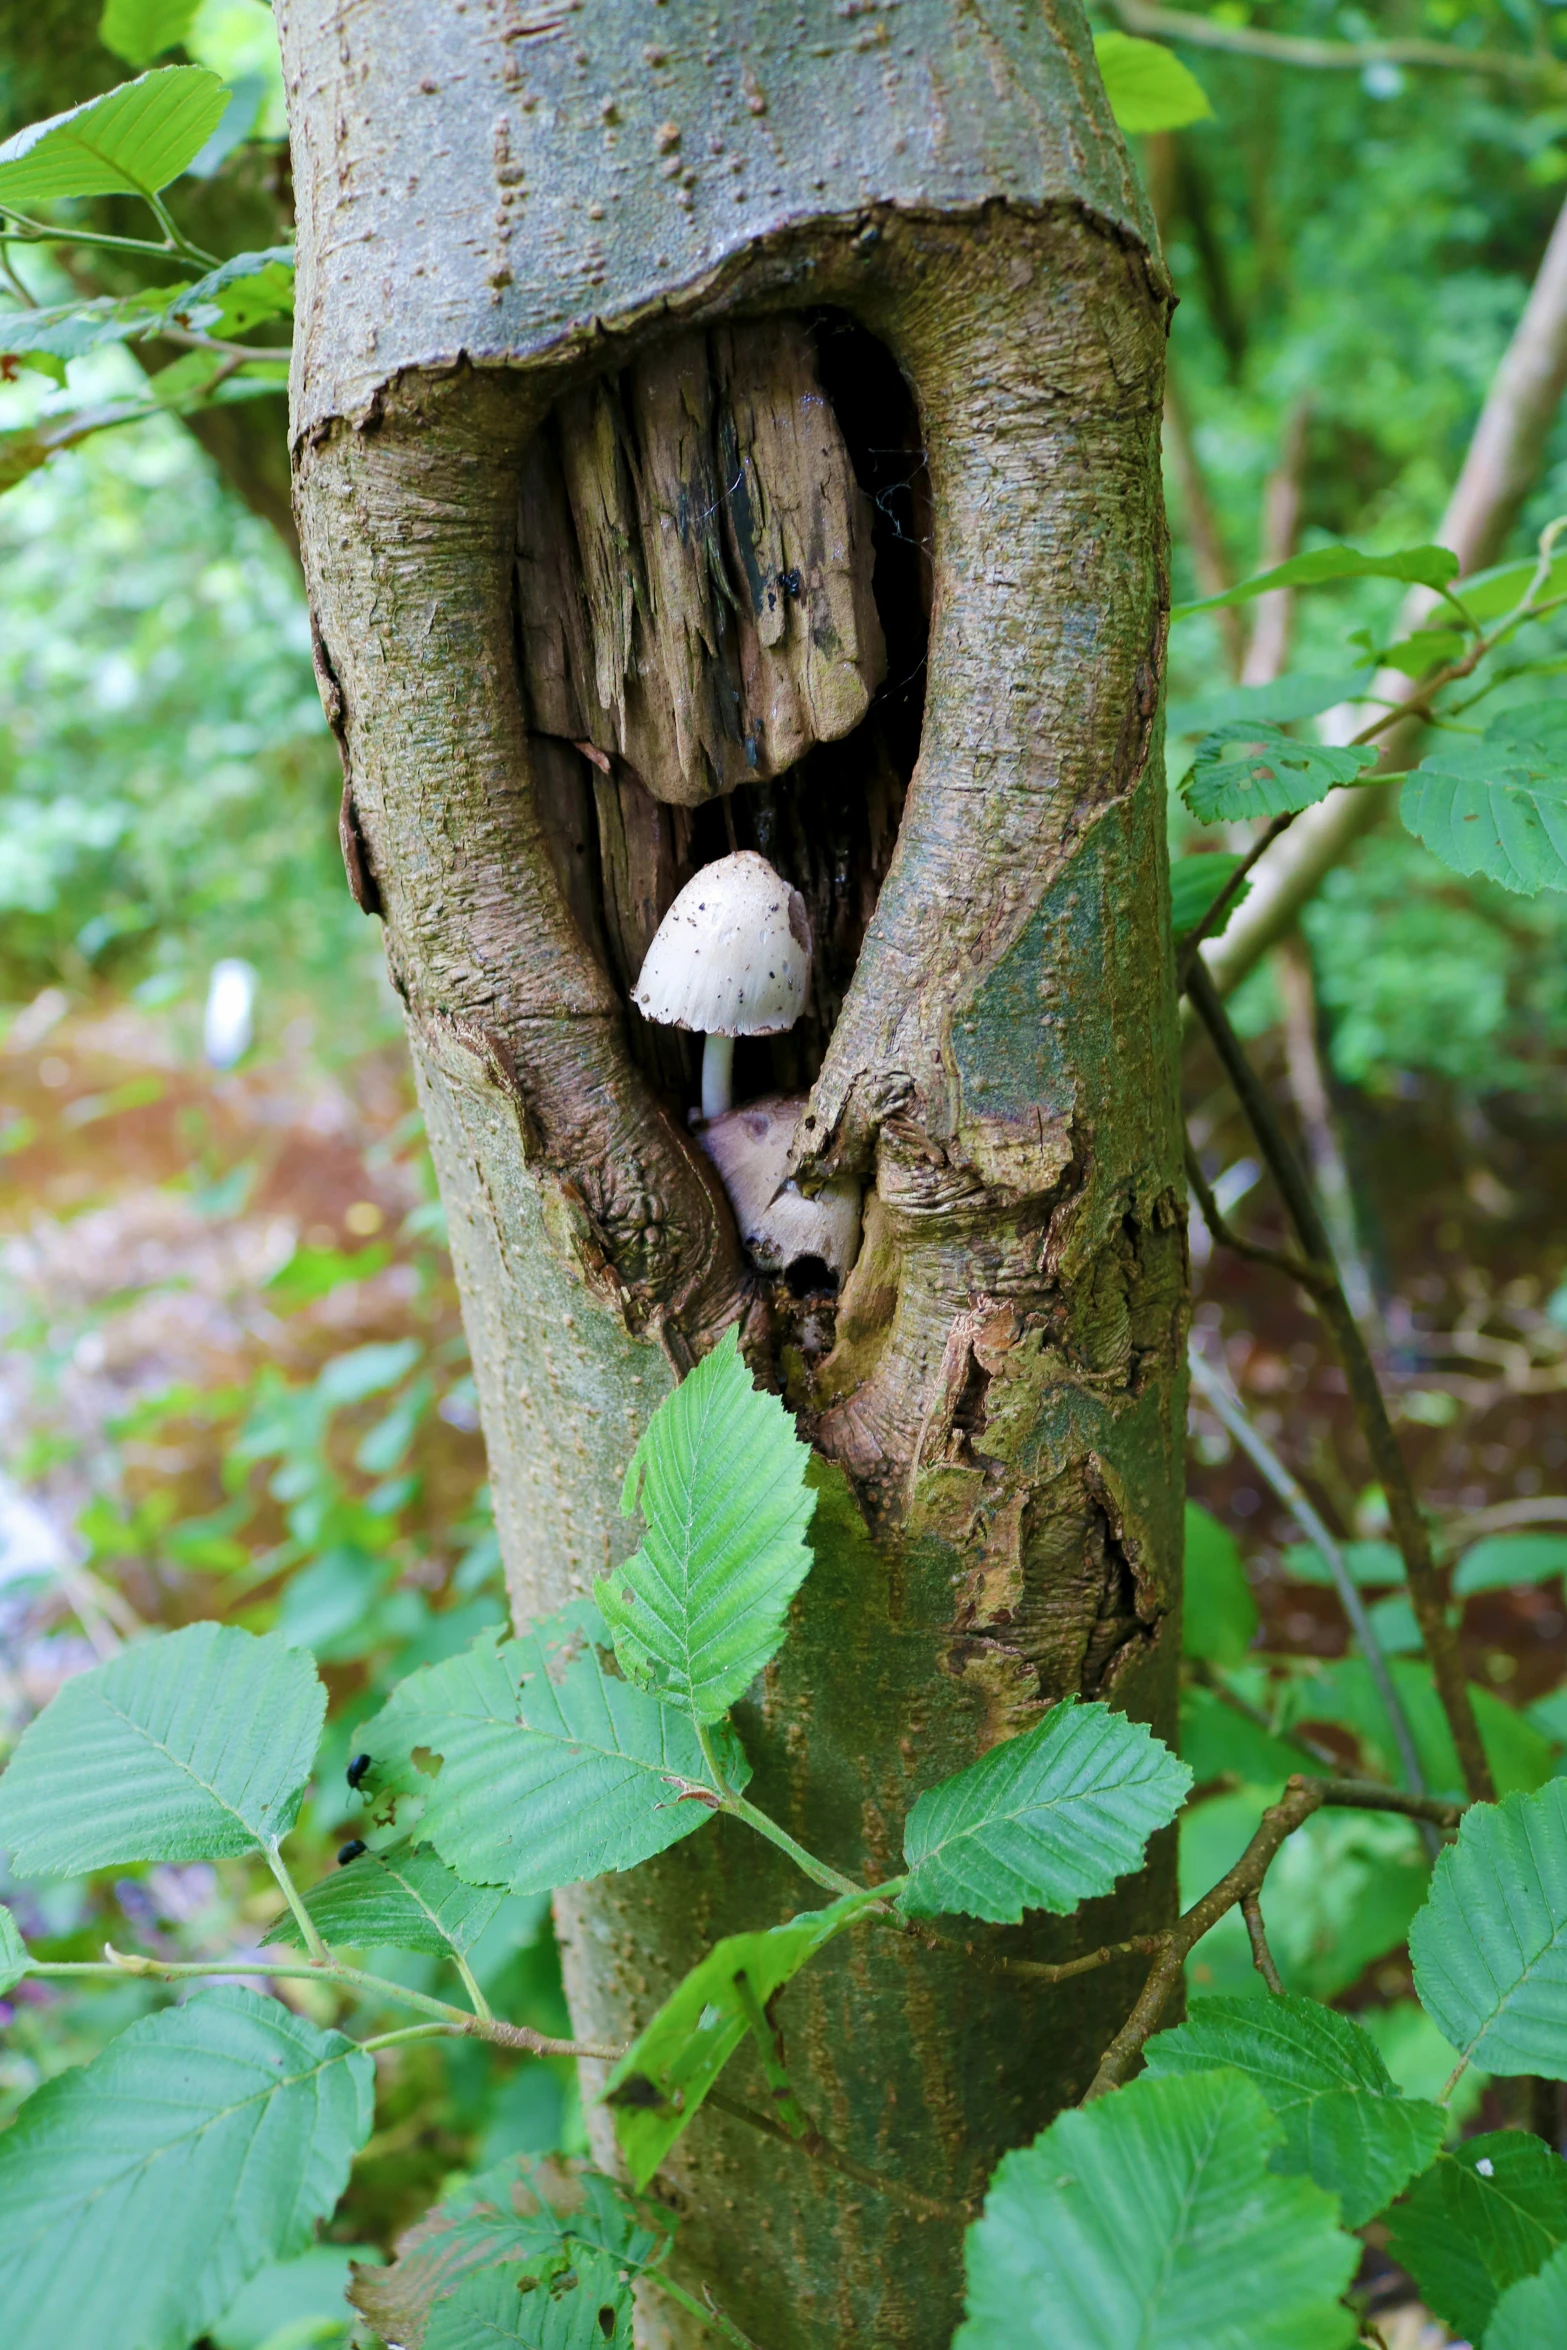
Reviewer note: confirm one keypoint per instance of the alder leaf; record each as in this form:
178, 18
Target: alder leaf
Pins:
1498, 807
138, 2192
1148, 87
571, 2300
552, 1768
1345, 2123
14, 1961
1259, 770
669, 2068
501, 2218
1151, 2217
1044, 1821
140, 30
395, 1900
1504, 1559
720, 1478
130, 142
1194, 884
1218, 1608
1532, 2312
1491, 2212
194, 1746
1490, 1946
1429, 567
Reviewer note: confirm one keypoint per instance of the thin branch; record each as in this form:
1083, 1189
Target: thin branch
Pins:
1207, 32
823, 2151
1409, 1529
1257, 1934
1311, 1278
706, 2309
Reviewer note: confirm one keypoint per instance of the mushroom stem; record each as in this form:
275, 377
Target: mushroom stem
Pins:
718, 1065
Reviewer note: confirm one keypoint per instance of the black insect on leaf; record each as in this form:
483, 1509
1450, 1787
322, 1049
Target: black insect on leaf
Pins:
356, 1770
350, 1851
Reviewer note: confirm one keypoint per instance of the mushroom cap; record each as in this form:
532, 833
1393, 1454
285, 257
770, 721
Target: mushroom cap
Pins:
732, 957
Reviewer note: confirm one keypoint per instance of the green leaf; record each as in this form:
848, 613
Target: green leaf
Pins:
1275, 776
1044, 1821
1490, 1946
138, 2192
1194, 884
1532, 2312
1372, 1565
1148, 87
1505, 1559
720, 1478
1490, 595
1219, 1620
68, 329
303, 2300
190, 1747
553, 1769
130, 142
669, 2068
14, 1961
1498, 807
1344, 1692
1429, 567
1151, 2217
1219, 1741
140, 30
240, 293
570, 2300
1345, 2124
500, 2217
1491, 2212
396, 1900
1299, 693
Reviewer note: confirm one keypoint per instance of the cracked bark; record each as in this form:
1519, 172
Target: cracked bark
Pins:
495, 255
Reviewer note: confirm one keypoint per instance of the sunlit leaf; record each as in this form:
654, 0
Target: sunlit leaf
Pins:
570, 2300
130, 142
1491, 2212
396, 1900
553, 1769
659, 2083
1259, 770
1498, 807
138, 2192
1045, 1820
1422, 566
1345, 2124
140, 30
187, 1747
1148, 87
720, 1479
1152, 2217
1490, 1946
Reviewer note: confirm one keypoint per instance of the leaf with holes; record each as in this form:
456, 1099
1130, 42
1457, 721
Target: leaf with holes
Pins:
720, 1478
1259, 770
138, 2192
577, 2299
1490, 1946
396, 1900
1152, 2217
1429, 567
552, 1768
500, 2219
669, 2068
1498, 807
1044, 1821
130, 142
1345, 2123
1491, 2212
196, 1746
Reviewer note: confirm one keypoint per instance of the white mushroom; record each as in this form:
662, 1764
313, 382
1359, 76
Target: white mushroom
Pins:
732, 957
810, 1241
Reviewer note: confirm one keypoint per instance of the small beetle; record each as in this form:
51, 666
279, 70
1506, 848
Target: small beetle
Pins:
357, 1769
350, 1851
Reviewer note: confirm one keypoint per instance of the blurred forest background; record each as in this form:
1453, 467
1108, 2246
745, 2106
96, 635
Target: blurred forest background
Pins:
234, 1381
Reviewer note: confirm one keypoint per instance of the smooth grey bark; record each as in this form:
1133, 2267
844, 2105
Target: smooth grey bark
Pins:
496, 208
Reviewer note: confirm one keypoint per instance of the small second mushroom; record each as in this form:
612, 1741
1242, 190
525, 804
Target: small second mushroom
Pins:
732, 957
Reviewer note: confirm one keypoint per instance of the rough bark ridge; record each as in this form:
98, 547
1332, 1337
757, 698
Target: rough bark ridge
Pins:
501, 212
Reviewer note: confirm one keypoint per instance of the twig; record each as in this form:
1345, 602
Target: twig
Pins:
1257, 1934
823, 2151
1310, 1277
1228, 1408
1300, 1799
707, 2308
1207, 32
1408, 1526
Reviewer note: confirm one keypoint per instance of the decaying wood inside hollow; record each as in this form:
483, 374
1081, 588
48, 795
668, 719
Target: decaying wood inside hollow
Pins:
703, 664
694, 571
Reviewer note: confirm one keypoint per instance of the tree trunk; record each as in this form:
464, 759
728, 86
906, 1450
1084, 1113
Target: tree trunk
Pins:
578, 287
